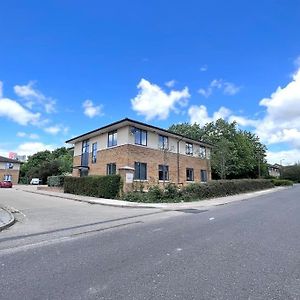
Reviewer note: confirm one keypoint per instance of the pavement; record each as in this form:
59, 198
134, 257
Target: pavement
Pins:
6, 218
203, 204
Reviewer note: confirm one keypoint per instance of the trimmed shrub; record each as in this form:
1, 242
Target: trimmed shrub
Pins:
95, 186
199, 191
282, 182
56, 180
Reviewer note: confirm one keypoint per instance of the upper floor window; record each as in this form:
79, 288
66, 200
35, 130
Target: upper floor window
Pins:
111, 169
163, 142
202, 152
85, 146
85, 153
140, 137
189, 174
140, 171
94, 153
189, 148
9, 166
112, 139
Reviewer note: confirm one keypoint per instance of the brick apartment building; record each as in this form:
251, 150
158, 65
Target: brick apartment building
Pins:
153, 154
9, 169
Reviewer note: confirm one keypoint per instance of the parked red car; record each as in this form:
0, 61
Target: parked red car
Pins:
5, 184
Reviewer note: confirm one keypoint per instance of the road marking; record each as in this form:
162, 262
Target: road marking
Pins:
212, 218
60, 239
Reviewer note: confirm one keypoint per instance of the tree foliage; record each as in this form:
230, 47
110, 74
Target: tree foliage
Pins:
291, 172
235, 154
45, 163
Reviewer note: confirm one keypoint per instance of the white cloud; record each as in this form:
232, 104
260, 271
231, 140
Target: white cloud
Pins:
34, 98
17, 113
55, 129
33, 147
21, 134
170, 83
151, 101
228, 88
243, 121
90, 110
199, 114
297, 62
32, 136
287, 157
204, 68
1, 89
282, 120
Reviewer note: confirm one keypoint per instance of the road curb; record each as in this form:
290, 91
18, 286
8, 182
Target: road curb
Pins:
10, 219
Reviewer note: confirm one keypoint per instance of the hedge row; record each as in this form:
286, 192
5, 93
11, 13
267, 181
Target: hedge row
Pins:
56, 180
199, 191
282, 182
94, 186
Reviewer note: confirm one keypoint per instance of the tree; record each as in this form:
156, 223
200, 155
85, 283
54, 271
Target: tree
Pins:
45, 163
235, 153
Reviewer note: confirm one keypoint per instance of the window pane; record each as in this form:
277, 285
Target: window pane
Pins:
137, 136
112, 139
203, 175
136, 170
144, 138
143, 171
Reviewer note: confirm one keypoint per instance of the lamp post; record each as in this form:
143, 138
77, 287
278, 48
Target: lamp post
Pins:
281, 167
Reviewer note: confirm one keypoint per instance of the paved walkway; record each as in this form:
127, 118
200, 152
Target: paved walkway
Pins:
168, 206
6, 218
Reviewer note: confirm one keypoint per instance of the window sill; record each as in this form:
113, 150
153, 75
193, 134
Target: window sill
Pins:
163, 180
140, 180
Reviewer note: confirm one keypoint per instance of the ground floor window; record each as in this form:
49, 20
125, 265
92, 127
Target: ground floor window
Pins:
111, 169
7, 178
140, 171
84, 172
203, 175
163, 172
189, 174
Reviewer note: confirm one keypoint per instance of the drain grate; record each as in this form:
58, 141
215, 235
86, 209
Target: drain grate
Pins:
191, 210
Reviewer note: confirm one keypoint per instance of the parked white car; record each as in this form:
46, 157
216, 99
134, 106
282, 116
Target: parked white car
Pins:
35, 181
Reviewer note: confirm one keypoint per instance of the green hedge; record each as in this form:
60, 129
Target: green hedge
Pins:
56, 180
199, 191
282, 182
94, 186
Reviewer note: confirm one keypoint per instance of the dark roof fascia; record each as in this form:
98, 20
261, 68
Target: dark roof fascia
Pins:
138, 123
9, 160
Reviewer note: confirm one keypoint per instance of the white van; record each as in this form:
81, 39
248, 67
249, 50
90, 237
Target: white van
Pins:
35, 181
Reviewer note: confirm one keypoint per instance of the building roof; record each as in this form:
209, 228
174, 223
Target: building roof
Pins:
130, 122
9, 160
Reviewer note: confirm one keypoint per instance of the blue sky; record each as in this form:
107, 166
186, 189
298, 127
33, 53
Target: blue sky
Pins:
67, 67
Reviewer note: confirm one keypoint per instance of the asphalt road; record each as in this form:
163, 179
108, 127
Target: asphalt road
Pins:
63, 249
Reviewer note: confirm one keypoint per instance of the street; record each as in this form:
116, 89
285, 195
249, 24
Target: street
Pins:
62, 249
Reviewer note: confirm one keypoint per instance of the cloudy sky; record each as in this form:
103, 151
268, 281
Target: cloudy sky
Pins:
67, 67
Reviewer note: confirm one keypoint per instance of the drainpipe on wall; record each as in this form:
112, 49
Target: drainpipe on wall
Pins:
178, 141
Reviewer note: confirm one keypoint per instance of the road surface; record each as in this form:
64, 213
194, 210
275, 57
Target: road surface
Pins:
61, 249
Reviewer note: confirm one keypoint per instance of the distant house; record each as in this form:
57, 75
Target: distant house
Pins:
156, 155
274, 170
9, 169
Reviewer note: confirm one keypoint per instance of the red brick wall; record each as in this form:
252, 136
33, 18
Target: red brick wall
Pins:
126, 155
13, 173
